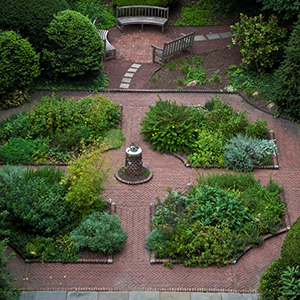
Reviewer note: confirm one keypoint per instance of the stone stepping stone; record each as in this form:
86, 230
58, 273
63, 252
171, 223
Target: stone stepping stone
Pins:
213, 36
226, 35
198, 38
128, 76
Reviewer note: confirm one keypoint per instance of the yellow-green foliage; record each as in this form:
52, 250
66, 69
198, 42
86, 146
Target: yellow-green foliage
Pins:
87, 177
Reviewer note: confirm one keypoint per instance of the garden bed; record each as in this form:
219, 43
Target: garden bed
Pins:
216, 221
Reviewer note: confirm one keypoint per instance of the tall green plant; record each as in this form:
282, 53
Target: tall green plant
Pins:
260, 42
287, 88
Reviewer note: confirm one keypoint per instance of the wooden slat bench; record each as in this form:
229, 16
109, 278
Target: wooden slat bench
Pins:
138, 14
185, 42
109, 50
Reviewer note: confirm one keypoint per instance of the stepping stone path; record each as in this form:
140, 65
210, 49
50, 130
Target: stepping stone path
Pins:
213, 36
128, 76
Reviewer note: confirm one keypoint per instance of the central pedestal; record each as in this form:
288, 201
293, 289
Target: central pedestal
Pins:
133, 162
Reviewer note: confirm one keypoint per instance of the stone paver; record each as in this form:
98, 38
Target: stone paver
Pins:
226, 34
198, 38
124, 85
213, 36
206, 296
74, 295
137, 295
126, 80
175, 296
237, 296
128, 74
113, 296
57, 295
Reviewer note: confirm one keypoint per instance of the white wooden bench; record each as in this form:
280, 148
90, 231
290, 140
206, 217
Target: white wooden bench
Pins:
185, 42
138, 14
109, 50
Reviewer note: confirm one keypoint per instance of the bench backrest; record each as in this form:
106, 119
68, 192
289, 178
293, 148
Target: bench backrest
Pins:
179, 44
142, 11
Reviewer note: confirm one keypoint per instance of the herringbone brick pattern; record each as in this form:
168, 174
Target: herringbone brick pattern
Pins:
131, 269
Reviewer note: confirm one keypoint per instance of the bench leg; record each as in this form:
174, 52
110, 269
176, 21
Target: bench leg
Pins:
142, 27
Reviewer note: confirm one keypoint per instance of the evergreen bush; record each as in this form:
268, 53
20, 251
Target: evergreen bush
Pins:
19, 65
74, 48
290, 251
100, 232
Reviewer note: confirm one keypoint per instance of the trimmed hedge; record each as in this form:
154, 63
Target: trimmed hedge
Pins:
290, 251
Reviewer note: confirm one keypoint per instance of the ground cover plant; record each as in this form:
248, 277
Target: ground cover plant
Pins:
59, 129
213, 135
45, 209
213, 222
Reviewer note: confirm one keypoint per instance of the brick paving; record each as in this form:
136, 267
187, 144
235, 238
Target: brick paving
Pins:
131, 269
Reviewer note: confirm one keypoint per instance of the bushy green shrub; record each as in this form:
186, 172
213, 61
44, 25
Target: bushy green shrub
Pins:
287, 89
74, 48
243, 152
19, 65
169, 126
86, 178
270, 282
100, 232
260, 42
8, 290
29, 18
36, 202
290, 251
163, 3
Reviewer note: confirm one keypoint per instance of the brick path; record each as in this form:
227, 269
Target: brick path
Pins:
131, 269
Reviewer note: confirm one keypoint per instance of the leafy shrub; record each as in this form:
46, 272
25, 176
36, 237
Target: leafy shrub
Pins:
61, 248
200, 245
213, 206
286, 10
163, 3
35, 202
168, 211
270, 282
290, 251
243, 152
114, 138
287, 89
290, 279
260, 42
86, 178
7, 289
8, 174
208, 149
169, 126
100, 232
29, 18
19, 65
74, 48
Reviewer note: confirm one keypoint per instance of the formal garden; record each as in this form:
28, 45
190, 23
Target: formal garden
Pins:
53, 213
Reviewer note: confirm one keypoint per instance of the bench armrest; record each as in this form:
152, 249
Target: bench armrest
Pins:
155, 47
